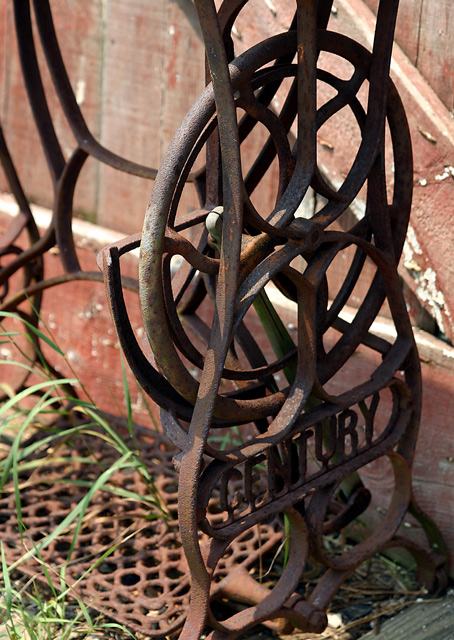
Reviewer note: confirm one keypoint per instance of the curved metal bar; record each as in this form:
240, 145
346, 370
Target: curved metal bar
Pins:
35, 90
64, 208
68, 101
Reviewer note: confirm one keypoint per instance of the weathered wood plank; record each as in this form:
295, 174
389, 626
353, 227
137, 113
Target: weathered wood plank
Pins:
430, 270
408, 27
79, 29
18, 126
5, 11
131, 106
431, 620
4, 24
183, 66
153, 70
436, 51
425, 31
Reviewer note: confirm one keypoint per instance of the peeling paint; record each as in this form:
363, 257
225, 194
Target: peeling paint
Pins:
411, 265
106, 342
427, 292
81, 86
92, 310
413, 241
426, 279
51, 321
411, 247
271, 7
237, 33
445, 466
447, 173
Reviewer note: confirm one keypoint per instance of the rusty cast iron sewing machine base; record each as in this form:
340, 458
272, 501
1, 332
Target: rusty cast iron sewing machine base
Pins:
289, 474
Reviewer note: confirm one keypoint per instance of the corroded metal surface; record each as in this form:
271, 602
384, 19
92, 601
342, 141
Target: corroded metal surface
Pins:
268, 436
224, 380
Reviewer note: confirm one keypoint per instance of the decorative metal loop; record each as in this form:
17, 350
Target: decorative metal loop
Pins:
227, 383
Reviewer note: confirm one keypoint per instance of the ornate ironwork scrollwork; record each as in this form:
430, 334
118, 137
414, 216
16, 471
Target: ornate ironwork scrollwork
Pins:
225, 269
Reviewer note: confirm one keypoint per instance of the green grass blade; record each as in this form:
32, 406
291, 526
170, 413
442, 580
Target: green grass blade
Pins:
144, 398
14, 452
13, 456
280, 339
8, 592
75, 513
49, 341
127, 395
31, 369
32, 390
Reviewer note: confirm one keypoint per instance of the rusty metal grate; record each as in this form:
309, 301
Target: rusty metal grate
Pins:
145, 583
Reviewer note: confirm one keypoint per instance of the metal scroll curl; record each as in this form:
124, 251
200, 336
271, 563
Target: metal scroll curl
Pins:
203, 276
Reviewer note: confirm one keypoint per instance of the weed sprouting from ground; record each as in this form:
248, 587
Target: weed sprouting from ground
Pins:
36, 422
